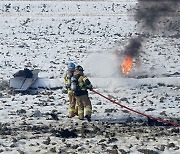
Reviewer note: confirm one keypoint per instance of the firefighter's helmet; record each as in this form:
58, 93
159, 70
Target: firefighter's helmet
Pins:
79, 68
71, 65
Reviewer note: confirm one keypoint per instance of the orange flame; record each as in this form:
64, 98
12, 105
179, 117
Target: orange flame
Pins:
127, 65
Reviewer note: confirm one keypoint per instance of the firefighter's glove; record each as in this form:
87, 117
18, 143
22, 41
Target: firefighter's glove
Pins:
67, 86
90, 87
64, 91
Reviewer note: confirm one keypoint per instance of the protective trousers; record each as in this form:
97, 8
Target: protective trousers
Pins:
73, 109
83, 103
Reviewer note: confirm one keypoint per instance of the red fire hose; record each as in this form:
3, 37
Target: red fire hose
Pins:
146, 115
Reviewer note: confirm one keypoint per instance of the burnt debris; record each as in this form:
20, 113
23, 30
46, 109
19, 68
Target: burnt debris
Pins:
26, 73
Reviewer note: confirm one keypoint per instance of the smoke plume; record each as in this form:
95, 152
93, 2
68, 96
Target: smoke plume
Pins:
158, 14
160, 17
154, 18
133, 48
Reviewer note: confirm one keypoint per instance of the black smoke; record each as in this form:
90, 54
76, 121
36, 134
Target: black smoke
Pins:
158, 14
154, 18
161, 17
134, 46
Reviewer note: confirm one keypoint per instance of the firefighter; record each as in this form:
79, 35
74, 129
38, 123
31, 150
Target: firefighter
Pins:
72, 100
80, 85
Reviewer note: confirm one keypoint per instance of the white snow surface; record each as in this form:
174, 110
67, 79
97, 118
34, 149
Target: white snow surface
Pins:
47, 35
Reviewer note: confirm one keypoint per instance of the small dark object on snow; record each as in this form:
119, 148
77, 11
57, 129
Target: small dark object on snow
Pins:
65, 133
54, 116
152, 122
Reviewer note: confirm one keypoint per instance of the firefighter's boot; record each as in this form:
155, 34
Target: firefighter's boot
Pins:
71, 113
88, 117
76, 110
81, 113
88, 109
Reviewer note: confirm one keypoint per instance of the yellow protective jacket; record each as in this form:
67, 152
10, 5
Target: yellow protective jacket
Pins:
80, 84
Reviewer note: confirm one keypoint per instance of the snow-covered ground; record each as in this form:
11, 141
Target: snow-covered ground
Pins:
47, 35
